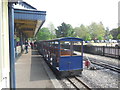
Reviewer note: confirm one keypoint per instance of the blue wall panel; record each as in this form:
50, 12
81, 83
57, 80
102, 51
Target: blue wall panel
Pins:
71, 62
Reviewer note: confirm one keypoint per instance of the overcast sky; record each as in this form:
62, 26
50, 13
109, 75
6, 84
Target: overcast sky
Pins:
77, 12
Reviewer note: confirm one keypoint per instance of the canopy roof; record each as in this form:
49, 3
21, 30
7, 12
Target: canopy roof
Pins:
28, 21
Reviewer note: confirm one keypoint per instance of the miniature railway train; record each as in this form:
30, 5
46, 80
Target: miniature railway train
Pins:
61, 56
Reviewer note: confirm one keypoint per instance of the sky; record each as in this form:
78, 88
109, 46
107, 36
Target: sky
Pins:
77, 12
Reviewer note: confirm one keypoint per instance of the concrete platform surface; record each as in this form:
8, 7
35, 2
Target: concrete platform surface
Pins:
33, 72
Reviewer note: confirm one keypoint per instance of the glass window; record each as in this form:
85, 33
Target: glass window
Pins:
70, 48
65, 48
77, 48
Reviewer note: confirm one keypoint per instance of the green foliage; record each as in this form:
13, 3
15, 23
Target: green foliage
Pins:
118, 30
17, 39
34, 38
43, 34
65, 30
110, 36
77, 37
100, 38
114, 33
82, 32
118, 37
88, 37
91, 32
96, 30
52, 30
107, 33
52, 36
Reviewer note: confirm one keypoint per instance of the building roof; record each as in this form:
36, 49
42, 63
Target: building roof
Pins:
28, 21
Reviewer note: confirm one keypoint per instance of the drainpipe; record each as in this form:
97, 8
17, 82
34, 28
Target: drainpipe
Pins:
12, 46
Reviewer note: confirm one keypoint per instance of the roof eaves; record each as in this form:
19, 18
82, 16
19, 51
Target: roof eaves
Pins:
23, 3
26, 5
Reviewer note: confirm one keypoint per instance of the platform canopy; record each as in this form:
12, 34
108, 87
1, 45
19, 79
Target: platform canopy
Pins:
28, 21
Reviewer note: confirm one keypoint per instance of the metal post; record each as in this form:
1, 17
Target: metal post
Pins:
12, 47
59, 53
103, 50
71, 48
21, 42
118, 52
82, 49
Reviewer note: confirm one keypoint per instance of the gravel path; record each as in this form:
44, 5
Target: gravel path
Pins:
103, 78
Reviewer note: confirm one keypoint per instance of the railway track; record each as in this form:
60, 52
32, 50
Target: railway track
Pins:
111, 67
77, 83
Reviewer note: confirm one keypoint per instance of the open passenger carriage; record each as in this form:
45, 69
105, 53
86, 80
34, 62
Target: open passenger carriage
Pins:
62, 55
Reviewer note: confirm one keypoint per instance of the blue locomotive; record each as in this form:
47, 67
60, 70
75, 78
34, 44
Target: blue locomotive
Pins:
62, 55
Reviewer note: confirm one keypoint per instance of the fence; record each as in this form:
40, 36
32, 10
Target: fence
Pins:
103, 50
99, 50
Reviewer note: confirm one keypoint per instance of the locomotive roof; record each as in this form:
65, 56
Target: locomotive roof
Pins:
66, 39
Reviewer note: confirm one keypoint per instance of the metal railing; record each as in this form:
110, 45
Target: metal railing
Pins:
108, 51
103, 50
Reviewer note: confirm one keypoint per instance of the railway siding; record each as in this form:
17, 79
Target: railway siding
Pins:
103, 77
107, 60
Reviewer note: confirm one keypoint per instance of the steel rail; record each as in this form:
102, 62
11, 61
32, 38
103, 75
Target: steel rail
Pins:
81, 82
113, 68
88, 88
73, 84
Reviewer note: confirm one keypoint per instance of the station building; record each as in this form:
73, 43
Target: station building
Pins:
23, 23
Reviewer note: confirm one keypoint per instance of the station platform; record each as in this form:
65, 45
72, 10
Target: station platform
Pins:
33, 72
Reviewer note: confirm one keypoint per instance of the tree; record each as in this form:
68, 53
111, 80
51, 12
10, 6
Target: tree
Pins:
110, 36
88, 37
43, 34
77, 32
96, 30
107, 33
100, 38
52, 30
17, 39
114, 33
82, 32
118, 37
65, 30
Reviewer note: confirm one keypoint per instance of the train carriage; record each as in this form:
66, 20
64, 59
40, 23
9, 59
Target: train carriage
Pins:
62, 55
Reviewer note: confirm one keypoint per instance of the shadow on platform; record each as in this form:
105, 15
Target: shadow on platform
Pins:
37, 71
